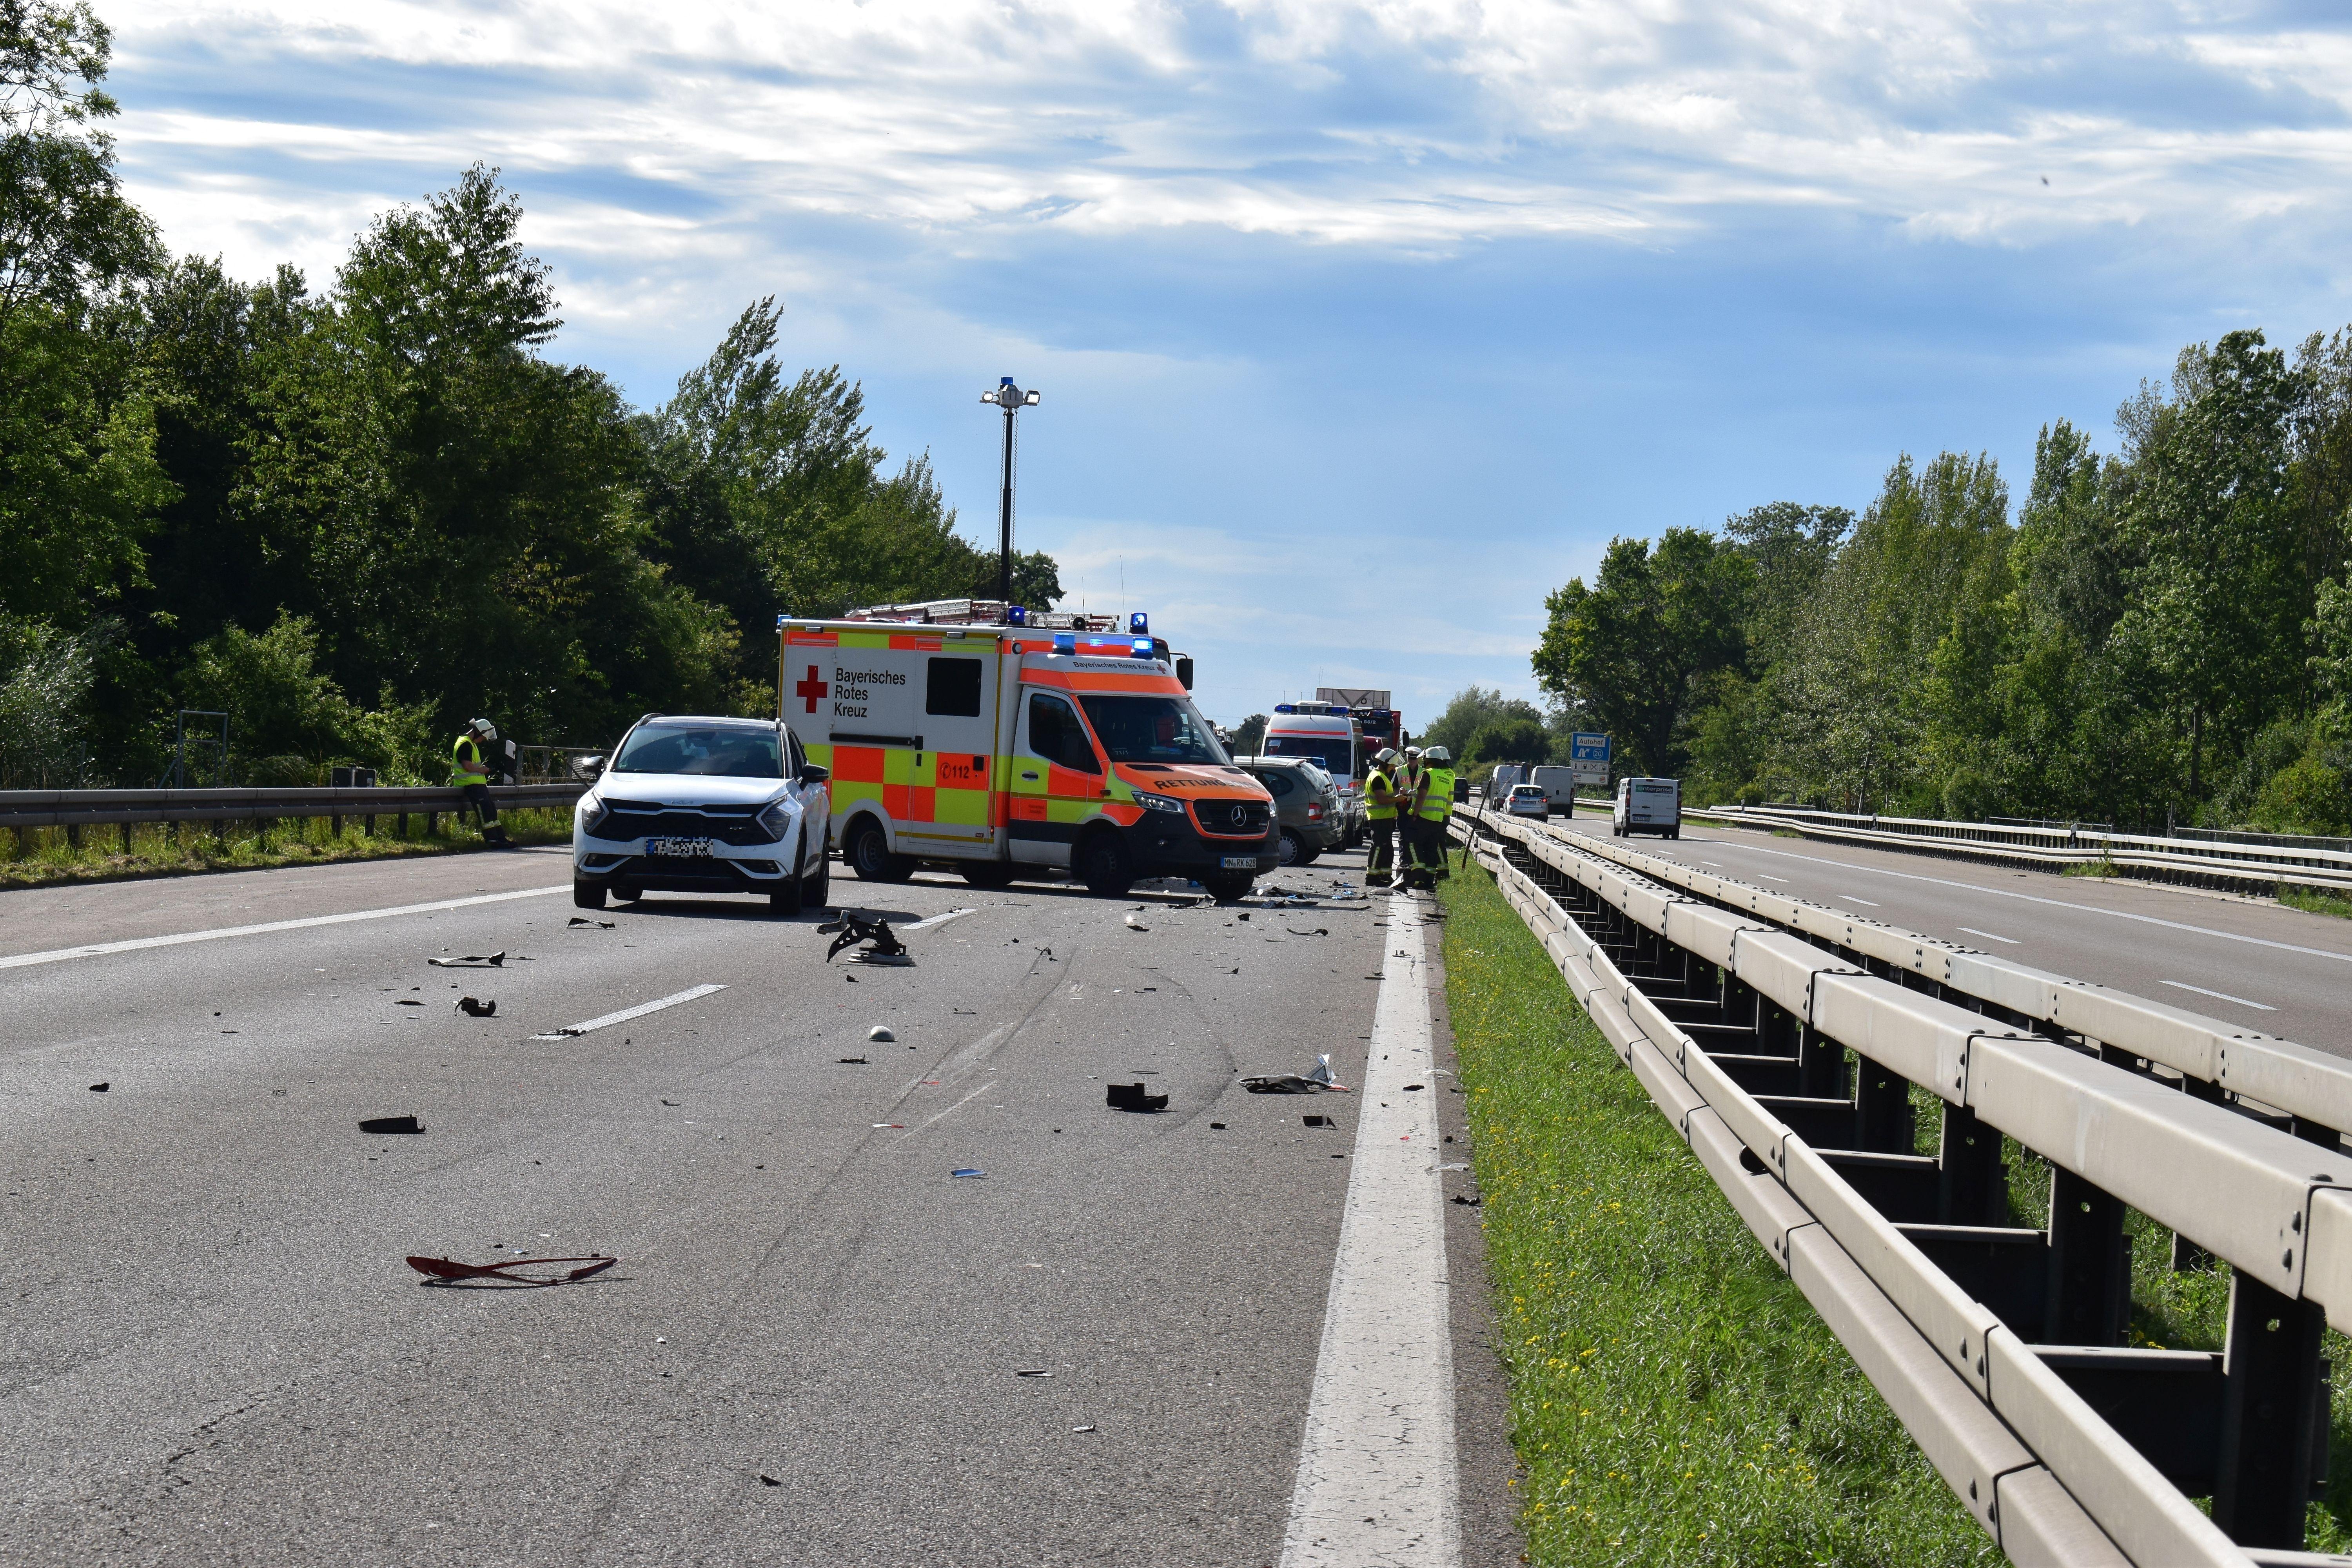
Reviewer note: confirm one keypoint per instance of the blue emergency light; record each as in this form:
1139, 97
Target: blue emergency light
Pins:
1285, 707
1138, 623
1143, 648
1066, 642
1017, 614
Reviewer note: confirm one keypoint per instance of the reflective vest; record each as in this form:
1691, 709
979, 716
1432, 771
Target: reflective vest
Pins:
1438, 804
1379, 798
466, 762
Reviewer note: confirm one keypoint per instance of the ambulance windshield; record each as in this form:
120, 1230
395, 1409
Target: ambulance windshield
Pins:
1164, 730
748, 752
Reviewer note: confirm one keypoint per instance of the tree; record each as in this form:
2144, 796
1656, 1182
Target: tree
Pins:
1631, 650
1249, 736
1513, 740
1472, 710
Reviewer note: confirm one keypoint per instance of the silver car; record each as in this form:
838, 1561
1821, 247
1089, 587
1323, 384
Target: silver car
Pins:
690, 804
1307, 808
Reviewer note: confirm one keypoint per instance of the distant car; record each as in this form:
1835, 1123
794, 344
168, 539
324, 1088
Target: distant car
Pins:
1558, 785
706, 805
1307, 808
1528, 800
1648, 805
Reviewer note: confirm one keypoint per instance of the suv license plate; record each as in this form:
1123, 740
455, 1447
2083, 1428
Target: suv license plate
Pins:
1240, 863
681, 847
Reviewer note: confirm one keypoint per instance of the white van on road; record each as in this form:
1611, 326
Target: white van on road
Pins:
1648, 805
1559, 784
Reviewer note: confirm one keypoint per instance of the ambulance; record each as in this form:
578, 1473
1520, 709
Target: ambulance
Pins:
1001, 743
1327, 734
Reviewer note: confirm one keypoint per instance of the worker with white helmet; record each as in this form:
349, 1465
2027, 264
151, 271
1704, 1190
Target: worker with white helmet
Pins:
471, 770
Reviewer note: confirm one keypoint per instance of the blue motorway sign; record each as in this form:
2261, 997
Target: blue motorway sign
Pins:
1588, 748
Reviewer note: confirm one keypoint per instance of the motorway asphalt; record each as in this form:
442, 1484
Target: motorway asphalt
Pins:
2251, 962
812, 1351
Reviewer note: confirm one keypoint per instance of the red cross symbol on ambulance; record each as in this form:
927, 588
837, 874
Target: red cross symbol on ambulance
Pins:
813, 689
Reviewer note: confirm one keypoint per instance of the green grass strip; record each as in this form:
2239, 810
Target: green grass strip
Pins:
46, 856
1674, 1398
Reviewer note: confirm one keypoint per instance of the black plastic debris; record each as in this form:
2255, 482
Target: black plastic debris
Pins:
447, 1271
883, 944
770, 1481
853, 1061
1411, 1086
1316, 1120
392, 1124
1132, 1097
102, 1087
585, 920
1469, 1203
408, 1001
471, 961
1033, 1371
1217, 1126
1319, 930
474, 1007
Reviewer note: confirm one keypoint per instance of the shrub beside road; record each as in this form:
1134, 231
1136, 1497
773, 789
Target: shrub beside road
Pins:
47, 857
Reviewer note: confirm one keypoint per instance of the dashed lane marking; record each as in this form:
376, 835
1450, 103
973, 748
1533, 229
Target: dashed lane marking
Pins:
2223, 995
625, 1014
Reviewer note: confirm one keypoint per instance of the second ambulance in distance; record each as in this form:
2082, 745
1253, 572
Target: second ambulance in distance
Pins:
1000, 749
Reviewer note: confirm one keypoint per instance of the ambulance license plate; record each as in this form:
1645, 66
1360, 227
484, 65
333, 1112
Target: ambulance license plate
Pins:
1241, 863
678, 847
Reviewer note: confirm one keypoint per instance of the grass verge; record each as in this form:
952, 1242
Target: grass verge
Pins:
1674, 1398
46, 856
2315, 900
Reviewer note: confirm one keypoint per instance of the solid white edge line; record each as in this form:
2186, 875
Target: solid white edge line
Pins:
2223, 995
1377, 1485
625, 1014
2036, 898
95, 950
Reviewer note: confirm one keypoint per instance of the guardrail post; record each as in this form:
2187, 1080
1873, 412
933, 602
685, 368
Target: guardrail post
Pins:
1882, 1109
23, 844
2273, 1415
1971, 1184
432, 825
2090, 1264
335, 824
404, 825
73, 835
1821, 1066
126, 838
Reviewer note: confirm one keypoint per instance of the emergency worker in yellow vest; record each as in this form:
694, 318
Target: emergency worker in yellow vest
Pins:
470, 771
1433, 805
1408, 800
1381, 819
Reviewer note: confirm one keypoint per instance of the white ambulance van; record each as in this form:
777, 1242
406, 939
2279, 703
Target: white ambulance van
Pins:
997, 743
1648, 805
1328, 735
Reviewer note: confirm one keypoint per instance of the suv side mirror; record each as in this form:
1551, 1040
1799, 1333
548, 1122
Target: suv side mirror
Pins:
589, 768
813, 773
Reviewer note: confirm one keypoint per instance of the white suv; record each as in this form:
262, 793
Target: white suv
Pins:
690, 804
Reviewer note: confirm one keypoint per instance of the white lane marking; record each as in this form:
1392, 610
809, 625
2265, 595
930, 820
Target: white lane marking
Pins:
2052, 903
18, 961
1711, 863
936, 921
1989, 936
1783, 880
1376, 1470
1849, 898
2224, 995
625, 1014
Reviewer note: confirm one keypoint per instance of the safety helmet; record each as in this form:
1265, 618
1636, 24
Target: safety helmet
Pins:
1388, 755
1437, 755
485, 729
1412, 750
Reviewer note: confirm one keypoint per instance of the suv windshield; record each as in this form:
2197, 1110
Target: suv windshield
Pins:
1166, 731
710, 749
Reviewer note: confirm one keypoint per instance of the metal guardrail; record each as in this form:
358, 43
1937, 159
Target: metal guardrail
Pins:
2000, 1348
73, 809
2212, 862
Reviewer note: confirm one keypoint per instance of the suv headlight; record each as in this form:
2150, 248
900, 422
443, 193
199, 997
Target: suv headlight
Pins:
776, 818
593, 813
1159, 803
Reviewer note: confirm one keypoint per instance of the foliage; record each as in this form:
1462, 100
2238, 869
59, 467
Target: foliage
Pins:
1473, 708
46, 680
1249, 735
1519, 740
2164, 634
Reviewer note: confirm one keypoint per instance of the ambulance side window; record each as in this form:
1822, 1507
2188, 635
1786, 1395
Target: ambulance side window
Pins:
951, 688
1055, 734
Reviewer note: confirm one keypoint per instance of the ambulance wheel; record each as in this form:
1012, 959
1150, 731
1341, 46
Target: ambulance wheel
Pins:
1294, 849
868, 854
586, 894
1228, 889
988, 874
1104, 864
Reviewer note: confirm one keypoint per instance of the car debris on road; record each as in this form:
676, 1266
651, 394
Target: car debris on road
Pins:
1314, 1080
1132, 1097
392, 1124
474, 1007
471, 961
885, 946
447, 1271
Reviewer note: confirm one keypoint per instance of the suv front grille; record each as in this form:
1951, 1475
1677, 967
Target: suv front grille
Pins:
627, 819
1232, 818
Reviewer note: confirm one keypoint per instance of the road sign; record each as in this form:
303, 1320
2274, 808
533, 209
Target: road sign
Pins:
1588, 755
1353, 696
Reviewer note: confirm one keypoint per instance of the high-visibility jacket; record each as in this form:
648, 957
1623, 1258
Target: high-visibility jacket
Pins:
1379, 796
466, 766
1438, 804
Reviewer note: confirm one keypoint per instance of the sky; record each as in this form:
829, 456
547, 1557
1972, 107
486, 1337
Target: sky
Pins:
1359, 327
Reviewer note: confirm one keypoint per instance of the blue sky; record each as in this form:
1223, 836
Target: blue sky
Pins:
1360, 326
